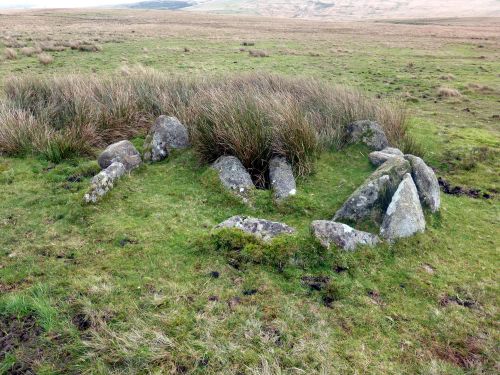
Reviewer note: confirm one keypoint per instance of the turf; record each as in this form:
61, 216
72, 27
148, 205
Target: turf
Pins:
129, 285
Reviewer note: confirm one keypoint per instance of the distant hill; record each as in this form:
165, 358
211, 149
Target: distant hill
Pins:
334, 9
161, 4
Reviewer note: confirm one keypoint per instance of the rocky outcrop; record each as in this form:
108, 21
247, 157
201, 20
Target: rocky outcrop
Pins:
341, 235
260, 228
369, 133
404, 216
426, 181
366, 200
166, 134
281, 178
233, 175
104, 182
123, 152
380, 157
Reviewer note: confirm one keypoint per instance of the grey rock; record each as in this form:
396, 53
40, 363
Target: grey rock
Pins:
395, 168
426, 181
281, 176
342, 235
233, 175
363, 202
404, 216
369, 133
103, 182
367, 199
166, 134
260, 228
380, 157
123, 152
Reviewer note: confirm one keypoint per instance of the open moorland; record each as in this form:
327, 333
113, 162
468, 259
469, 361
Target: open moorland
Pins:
141, 283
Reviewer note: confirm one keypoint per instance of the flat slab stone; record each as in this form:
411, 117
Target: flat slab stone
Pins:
282, 179
123, 152
233, 175
166, 134
368, 132
404, 216
104, 181
341, 235
366, 199
260, 228
426, 181
378, 158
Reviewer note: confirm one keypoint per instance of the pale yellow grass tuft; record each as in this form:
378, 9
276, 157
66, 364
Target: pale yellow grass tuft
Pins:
29, 51
446, 92
10, 54
45, 59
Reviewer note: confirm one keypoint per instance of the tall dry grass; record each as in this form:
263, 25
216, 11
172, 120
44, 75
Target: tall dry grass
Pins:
252, 116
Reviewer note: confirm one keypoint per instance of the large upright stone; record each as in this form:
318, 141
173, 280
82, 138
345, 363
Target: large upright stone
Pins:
104, 181
369, 133
166, 134
380, 157
342, 235
260, 228
281, 177
233, 175
404, 216
123, 152
366, 200
426, 181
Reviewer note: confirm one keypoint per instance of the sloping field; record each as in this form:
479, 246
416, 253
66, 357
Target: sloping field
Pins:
353, 9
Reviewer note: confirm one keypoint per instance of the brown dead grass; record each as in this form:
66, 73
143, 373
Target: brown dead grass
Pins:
446, 92
45, 59
10, 53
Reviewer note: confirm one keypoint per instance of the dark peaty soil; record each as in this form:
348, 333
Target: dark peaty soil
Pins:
447, 188
14, 333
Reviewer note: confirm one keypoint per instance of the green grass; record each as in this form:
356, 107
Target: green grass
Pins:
139, 263
134, 263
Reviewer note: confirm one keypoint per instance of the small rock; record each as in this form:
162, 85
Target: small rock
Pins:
380, 157
369, 133
428, 268
345, 237
404, 216
103, 182
281, 176
123, 152
426, 182
260, 228
166, 134
233, 175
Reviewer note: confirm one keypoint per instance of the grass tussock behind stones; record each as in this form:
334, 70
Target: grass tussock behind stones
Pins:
252, 116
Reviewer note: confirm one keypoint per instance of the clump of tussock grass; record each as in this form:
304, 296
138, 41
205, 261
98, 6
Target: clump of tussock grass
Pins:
446, 92
10, 54
50, 47
89, 47
252, 116
30, 51
13, 43
45, 59
258, 53
480, 88
447, 77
